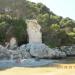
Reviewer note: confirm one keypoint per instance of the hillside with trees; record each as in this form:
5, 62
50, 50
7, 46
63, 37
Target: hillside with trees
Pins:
56, 30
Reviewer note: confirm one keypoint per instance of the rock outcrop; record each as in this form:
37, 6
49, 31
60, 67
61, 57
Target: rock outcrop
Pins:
69, 50
43, 51
38, 50
13, 43
4, 53
59, 53
33, 30
25, 51
35, 48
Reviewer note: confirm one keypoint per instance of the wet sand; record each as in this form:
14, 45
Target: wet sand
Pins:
61, 69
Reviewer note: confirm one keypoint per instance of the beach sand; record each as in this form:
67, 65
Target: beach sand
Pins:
62, 69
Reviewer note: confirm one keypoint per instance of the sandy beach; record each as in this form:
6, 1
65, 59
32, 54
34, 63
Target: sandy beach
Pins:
62, 69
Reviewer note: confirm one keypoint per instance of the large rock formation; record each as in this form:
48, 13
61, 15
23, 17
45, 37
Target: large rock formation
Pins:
38, 50
35, 48
43, 51
34, 33
69, 50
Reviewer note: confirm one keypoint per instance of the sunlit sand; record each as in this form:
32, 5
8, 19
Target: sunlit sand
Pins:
62, 69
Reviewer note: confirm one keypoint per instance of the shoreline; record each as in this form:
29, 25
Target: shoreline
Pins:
40, 70
36, 63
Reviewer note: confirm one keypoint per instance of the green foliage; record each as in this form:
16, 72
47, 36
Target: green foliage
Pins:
19, 29
56, 30
71, 34
43, 19
73, 29
42, 8
55, 19
2, 32
55, 27
66, 22
12, 27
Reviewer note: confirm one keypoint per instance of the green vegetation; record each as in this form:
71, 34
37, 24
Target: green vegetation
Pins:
56, 30
12, 27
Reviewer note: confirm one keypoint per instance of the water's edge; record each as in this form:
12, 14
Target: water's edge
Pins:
35, 63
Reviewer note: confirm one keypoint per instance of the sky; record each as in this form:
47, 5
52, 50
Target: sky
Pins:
65, 8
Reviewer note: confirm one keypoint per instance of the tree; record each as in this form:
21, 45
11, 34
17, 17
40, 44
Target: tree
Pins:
43, 9
43, 19
55, 27
13, 27
55, 19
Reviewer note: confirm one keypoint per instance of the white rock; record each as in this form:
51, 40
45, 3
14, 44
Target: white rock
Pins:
13, 43
33, 30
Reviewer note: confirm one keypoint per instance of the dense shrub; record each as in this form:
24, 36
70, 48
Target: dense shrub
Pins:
12, 27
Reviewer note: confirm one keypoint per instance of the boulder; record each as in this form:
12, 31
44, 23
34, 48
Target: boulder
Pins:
43, 51
13, 44
25, 51
15, 54
2, 48
69, 50
4, 53
59, 53
39, 50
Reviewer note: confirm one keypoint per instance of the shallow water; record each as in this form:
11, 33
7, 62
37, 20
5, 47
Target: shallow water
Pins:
67, 60
36, 63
